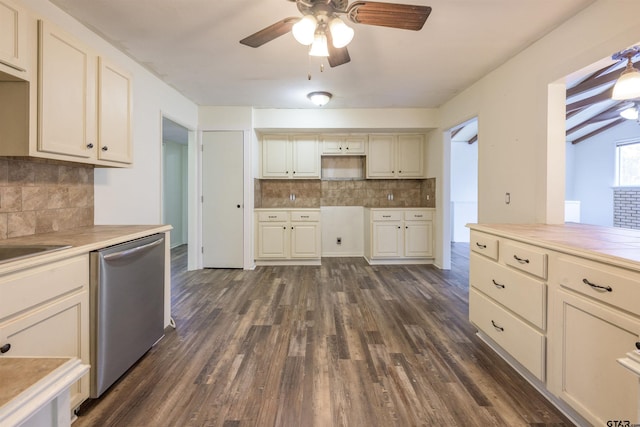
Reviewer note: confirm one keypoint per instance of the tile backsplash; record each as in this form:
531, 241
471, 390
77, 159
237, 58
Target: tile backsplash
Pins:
276, 193
40, 196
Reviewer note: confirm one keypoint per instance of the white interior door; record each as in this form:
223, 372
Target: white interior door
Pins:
222, 204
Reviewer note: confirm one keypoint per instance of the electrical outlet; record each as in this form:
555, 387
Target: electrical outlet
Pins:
339, 240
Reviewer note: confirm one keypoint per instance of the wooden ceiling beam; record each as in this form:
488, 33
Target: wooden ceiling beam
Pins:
608, 114
583, 103
592, 83
473, 139
455, 132
597, 131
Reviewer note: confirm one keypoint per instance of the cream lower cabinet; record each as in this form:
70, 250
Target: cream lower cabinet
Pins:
44, 313
507, 298
288, 236
398, 235
596, 320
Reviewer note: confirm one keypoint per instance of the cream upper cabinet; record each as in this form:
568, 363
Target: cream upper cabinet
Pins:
295, 156
396, 156
66, 92
344, 145
13, 44
114, 113
84, 102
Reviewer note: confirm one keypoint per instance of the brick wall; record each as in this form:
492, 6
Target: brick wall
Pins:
626, 207
40, 196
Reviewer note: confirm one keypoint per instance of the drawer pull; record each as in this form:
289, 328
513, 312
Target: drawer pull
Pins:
273, 216
597, 287
481, 246
386, 216
304, 216
495, 325
498, 285
521, 260
5, 348
417, 216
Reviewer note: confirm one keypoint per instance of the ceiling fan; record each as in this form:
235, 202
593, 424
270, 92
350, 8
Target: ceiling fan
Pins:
328, 35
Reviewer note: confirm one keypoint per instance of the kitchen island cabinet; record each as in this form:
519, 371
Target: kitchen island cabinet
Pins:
584, 280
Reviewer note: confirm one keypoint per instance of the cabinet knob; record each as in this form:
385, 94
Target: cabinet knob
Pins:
5, 348
406, 226
284, 228
399, 171
399, 227
89, 145
105, 148
238, 206
638, 345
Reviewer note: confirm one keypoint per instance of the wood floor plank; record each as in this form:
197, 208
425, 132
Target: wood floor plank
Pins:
342, 344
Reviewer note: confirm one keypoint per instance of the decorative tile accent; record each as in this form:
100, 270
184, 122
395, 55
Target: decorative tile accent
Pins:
39, 196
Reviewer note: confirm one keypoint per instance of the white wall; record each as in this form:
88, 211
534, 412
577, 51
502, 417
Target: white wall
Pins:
133, 195
346, 222
591, 172
464, 188
520, 137
175, 190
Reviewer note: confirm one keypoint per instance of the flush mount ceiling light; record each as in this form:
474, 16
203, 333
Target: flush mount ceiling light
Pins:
322, 27
319, 98
628, 84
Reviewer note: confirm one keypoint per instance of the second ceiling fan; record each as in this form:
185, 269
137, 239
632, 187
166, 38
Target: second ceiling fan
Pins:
322, 28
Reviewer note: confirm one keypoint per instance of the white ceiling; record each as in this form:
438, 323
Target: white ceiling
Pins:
193, 46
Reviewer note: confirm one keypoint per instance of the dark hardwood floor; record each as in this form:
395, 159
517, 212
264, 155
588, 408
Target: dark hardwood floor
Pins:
343, 344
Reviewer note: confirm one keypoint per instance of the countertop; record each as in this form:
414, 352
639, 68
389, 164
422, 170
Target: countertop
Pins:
82, 240
620, 246
18, 374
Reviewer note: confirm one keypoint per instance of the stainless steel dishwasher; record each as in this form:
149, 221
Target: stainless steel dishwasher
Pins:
127, 307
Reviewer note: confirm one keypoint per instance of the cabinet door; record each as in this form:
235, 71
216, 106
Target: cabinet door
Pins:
418, 236
305, 240
114, 113
381, 157
276, 156
355, 145
12, 35
590, 338
306, 157
387, 239
56, 330
65, 95
410, 156
273, 240
332, 144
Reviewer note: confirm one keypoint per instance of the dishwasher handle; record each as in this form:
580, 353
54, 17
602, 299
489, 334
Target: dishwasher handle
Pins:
133, 251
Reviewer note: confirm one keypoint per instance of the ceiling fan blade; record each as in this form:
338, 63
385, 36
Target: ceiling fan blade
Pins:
271, 32
337, 56
394, 15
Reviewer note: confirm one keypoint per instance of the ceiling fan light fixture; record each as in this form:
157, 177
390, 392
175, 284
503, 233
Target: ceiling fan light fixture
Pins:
319, 98
304, 30
341, 33
630, 113
319, 46
628, 84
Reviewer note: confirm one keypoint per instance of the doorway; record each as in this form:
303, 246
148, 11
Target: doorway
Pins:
175, 140
222, 199
464, 179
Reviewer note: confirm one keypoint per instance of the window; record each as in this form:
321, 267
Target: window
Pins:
628, 163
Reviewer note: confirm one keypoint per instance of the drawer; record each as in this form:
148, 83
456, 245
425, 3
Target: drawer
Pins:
32, 287
484, 244
386, 215
520, 340
525, 258
272, 216
612, 285
522, 294
305, 216
418, 215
